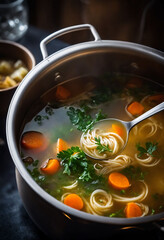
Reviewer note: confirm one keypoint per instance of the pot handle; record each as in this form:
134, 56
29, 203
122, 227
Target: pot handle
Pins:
65, 31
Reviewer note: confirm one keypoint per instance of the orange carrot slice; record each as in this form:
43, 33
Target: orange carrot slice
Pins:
118, 130
61, 145
34, 141
135, 108
133, 210
118, 181
73, 200
62, 93
51, 167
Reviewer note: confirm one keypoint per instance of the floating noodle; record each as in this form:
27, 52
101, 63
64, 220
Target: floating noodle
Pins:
118, 163
150, 128
100, 202
73, 185
110, 139
144, 208
150, 161
138, 198
64, 195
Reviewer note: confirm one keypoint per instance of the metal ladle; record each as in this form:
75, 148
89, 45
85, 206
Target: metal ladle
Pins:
129, 125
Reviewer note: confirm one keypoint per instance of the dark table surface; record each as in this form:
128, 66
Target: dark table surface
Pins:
14, 220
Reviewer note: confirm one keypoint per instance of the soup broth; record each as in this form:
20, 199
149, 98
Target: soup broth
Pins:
130, 184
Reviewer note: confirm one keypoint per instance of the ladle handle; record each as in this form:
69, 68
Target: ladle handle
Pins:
146, 115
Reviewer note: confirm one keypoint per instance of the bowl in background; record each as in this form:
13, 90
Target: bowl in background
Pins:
13, 51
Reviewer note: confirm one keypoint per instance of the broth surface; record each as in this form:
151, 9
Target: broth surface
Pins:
74, 107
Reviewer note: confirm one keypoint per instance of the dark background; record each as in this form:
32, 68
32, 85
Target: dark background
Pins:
140, 21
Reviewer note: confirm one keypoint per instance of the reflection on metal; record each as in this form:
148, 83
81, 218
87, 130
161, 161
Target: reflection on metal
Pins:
57, 76
67, 216
130, 227
143, 19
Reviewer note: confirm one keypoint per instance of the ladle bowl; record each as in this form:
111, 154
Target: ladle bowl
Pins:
126, 127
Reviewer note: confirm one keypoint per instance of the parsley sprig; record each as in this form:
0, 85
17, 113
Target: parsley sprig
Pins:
82, 120
75, 162
150, 148
102, 147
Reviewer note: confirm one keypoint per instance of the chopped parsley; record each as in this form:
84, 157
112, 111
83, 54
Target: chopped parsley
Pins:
82, 120
75, 162
101, 147
120, 213
40, 118
134, 173
150, 148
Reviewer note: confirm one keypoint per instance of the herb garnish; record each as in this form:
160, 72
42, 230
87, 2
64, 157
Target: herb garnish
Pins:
120, 213
150, 148
134, 173
40, 118
75, 162
82, 120
101, 147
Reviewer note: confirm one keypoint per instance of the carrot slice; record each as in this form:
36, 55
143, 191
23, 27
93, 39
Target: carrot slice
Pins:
34, 141
73, 200
118, 130
61, 145
62, 93
118, 181
135, 108
133, 210
51, 166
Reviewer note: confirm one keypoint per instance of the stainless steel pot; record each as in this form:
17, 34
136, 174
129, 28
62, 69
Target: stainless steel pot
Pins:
93, 57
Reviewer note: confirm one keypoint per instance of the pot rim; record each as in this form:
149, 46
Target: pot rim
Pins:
11, 140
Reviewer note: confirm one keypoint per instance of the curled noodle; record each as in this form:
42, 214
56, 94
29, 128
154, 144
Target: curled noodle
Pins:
144, 208
73, 185
139, 198
150, 127
100, 202
110, 139
118, 163
150, 161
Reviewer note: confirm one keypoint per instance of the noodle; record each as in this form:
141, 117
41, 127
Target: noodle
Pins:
100, 201
110, 139
147, 162
119, 162
150, 127
73, 185
139, 198
145, 209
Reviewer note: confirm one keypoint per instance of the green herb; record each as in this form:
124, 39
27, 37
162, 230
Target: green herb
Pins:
101, 96
40, 118
101, 147
149, 148
122, 191
35, 163
134, 173
49, 110
152, 211
82, 120
119, 213
75, 162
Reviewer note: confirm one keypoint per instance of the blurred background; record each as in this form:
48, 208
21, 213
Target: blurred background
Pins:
140, 21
